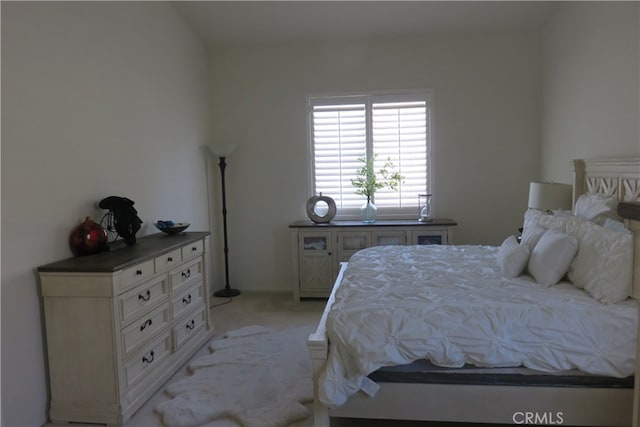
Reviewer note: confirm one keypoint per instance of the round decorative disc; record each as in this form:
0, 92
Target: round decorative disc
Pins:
321, 209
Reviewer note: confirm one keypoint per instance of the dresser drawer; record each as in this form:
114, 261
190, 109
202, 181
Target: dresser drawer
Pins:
184, 301
194, 249
142, 299
136, 274
145, 361
168, 260
144, 329
186, 275
188, 326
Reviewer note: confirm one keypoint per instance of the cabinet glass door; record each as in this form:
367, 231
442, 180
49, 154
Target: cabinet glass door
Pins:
316, 263
350, 242
429, 237
314, 243
389, 237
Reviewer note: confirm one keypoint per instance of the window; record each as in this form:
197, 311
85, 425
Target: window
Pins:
395, 127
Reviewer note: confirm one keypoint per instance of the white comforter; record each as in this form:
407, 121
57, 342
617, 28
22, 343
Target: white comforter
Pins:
451, 305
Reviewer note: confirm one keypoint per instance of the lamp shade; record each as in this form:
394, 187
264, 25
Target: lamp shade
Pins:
550, 195
222, 150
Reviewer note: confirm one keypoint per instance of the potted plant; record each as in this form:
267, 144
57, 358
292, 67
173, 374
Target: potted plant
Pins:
368, 181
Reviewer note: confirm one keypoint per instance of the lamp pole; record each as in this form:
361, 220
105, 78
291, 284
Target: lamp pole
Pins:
227, 291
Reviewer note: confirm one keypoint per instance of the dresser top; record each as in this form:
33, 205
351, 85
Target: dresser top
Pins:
436, 222
121, 256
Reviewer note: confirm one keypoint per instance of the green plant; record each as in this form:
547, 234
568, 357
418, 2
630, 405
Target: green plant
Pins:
368, 181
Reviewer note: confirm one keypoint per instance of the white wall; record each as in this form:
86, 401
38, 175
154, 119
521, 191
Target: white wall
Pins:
591, 90
98, 99
486, 137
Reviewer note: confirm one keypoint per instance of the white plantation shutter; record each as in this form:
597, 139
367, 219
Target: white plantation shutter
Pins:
399, 132
339, 139
391, 127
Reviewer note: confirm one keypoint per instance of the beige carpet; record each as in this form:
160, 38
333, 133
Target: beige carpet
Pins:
274, 311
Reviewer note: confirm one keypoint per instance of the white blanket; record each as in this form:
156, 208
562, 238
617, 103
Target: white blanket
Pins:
451, 305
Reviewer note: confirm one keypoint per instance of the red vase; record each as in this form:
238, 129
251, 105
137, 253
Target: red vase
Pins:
88, 238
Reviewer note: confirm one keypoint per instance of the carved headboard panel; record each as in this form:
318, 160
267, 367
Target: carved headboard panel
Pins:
614, 177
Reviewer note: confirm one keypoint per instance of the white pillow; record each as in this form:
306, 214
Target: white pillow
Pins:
603, 266
531, 234
552, 256
512, 257
596, 207
536, 223
550, 222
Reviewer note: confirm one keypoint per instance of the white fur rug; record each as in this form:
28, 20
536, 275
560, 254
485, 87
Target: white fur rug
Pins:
254, 377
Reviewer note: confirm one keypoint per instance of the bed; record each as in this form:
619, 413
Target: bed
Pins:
365, 364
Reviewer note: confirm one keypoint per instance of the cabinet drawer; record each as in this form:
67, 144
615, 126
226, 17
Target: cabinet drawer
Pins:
188, 326
194, 249
168, 260
186, 275
137, 273
144, 329
186, 300
145, 361
142, 299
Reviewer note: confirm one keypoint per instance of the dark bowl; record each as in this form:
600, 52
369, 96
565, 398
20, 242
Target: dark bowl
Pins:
177, 227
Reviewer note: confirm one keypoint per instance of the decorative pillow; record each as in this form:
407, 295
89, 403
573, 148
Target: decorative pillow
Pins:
531, 235
604, 263
532, 217
550, 222
536, 223
512, 257
596, 207
552, 256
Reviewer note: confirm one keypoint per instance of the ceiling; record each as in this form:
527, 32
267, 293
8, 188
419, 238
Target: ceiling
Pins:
251, 22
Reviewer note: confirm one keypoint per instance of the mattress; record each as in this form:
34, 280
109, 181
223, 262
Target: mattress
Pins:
452, 306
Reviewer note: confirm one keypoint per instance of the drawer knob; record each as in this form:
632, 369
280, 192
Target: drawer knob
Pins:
143, 297
145, 324
186, 274
150, 359
170, 259
187, 299
138, 272
191, 324
194, 249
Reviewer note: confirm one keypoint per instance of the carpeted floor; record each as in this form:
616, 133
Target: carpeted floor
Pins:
272, 311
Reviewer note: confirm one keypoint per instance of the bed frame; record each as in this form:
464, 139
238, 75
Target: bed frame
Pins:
496, 403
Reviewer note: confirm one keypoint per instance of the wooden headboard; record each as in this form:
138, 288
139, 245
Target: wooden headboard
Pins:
618, 177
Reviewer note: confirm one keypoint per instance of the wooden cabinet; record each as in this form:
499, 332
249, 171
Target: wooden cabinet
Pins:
119, 324
318, 249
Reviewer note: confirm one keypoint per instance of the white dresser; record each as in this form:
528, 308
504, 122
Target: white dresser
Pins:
119, 324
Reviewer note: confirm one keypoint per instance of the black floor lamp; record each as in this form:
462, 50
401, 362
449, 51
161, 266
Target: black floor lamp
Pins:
222, 152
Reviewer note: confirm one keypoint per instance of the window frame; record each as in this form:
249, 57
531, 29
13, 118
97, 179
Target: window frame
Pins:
369, 98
